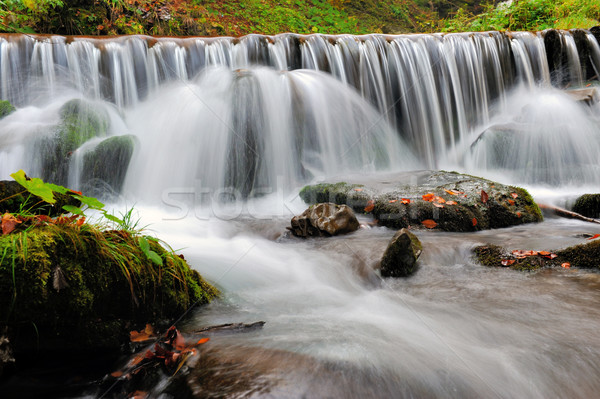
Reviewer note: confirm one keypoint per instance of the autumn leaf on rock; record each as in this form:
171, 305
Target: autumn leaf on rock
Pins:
358, 189
393, 201
370, 206
454, 192
438, 205
594, 237
474, 221
507, 262
511, 202
9, 223
429, 223
439, 200
428, 197
450, 202
144, 335
484, 197
566, 265
405, 201
514, 195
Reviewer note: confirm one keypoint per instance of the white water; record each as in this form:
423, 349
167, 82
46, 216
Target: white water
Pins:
222, 119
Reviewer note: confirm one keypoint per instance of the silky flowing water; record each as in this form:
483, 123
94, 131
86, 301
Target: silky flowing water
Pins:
227, 132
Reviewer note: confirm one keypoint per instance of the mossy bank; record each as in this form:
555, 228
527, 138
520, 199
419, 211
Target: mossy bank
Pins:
78, 288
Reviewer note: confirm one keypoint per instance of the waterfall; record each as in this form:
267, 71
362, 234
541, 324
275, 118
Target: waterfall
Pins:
245, 114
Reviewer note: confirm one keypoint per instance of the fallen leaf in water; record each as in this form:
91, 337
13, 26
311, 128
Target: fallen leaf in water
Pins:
594, 236
566, 265
370, 206
511, 202
514, 195
474, 221
484, 197
405, 201
9, 223
438, 205
428, 197
144, 335
450, 203
392, 201
430, 224
507, 262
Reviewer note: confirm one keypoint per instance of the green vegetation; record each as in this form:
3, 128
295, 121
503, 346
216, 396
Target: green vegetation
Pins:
241, 17
64, 281
529, 15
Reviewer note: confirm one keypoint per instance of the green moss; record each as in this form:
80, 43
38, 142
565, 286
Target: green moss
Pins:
585, 255
6, 108
489, 255
108, 162
492, 256
340, 193
111, 286
588, 205
530, 205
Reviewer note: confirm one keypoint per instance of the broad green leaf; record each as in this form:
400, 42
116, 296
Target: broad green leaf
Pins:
154, 257
91, 202
144, 245
113, 218
58, 189
75, 210
35, 186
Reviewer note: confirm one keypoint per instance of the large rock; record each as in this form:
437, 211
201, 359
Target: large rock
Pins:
396, 200
326, 219
588, 205
80, 121
107, 164
400, 257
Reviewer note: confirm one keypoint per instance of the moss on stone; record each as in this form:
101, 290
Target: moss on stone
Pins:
340, 193
111, 287
6, 108
588, 205
585, 255
108, 162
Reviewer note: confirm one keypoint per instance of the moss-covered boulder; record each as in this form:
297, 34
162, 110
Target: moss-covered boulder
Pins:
76, 288
588, 205
454, 201
401, 254
14, 198
585, 255
80, 122
6, 108
108, 163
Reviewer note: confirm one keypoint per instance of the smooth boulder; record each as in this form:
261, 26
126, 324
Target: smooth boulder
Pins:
325, 219
588, 205
400, 257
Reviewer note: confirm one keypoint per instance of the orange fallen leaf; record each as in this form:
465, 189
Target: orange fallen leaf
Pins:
138, 395
524, 253
438, 205
116, 374
454, 192
429, 223
566, 265
370, 206
511, 202
428, 197
81, 221
76, 192
543, 253
358, 189
392, 201
594, 236
474, 221
484, 197
144, 335
450, 202
518, 214
507, 262
405, 201
202, 341
9, 223
439, 200
514, 195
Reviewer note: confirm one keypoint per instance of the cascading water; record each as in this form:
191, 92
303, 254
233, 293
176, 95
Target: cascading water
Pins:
156, 120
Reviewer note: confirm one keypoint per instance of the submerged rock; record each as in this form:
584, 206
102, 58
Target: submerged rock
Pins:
108, 163
326, 219
588, 205
400, 257
453, 201
6, 108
